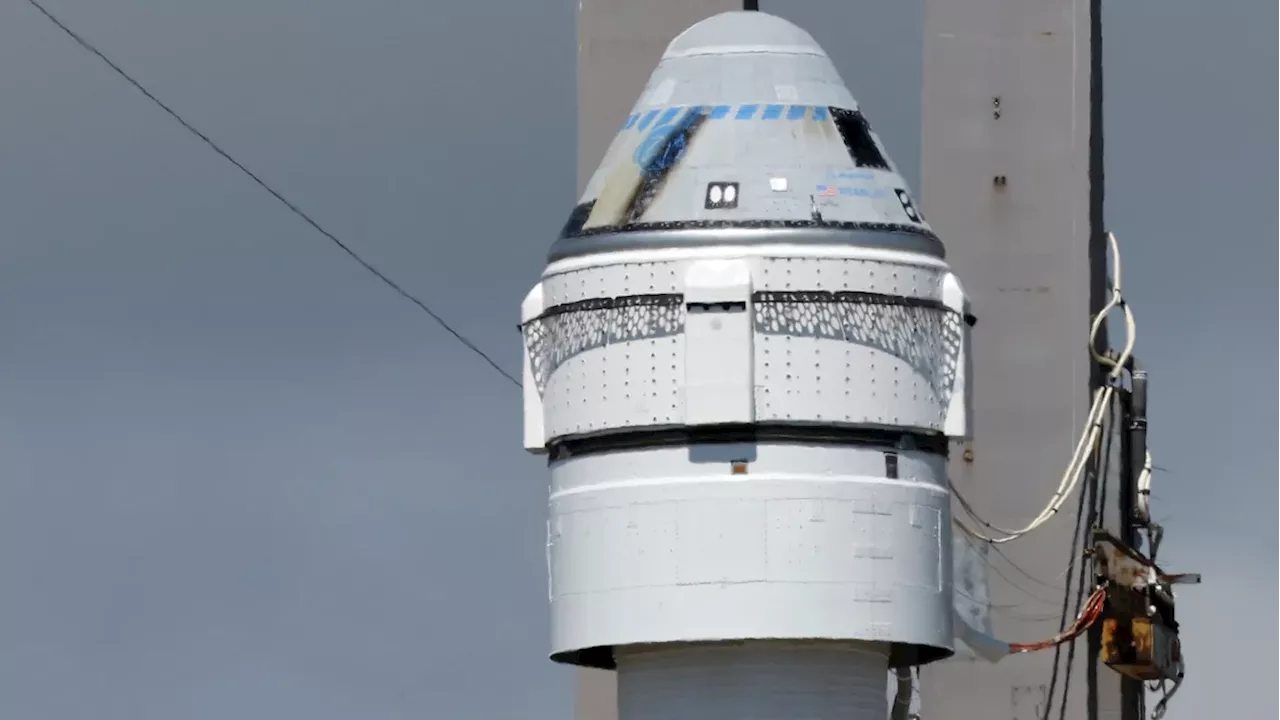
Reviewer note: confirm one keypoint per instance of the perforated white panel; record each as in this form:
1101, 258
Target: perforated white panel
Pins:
613, 280
890, 274
610, 354
631, 384
903, 278
815, 379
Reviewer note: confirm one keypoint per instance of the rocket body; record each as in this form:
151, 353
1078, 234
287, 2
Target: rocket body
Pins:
745, 361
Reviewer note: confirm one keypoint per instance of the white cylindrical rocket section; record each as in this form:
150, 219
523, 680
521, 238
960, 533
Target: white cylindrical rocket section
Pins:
755, 679
744, 361
670, 544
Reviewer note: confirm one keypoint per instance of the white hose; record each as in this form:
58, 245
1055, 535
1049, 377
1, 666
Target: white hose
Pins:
1144, 491
1102, 398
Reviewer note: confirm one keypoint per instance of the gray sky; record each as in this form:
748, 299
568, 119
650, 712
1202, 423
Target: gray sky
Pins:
242, 479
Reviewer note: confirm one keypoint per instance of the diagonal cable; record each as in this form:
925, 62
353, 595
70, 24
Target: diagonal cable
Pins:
285, 201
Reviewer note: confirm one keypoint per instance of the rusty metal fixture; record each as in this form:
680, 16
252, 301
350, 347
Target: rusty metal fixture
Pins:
1139, 628
1141, 648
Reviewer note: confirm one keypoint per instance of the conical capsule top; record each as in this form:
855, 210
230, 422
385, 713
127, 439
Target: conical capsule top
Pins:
745, 133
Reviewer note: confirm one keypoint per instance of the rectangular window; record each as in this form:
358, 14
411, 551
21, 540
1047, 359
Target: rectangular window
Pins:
856, 133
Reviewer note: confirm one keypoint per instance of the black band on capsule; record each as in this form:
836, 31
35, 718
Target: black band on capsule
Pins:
709, 233
565, 447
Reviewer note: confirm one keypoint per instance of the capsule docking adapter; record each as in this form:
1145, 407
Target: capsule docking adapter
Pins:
745, 360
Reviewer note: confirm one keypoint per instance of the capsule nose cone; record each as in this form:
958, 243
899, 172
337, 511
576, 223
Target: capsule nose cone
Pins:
745, 133
742, 32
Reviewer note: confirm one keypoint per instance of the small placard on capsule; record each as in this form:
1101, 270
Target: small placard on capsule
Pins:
721, 195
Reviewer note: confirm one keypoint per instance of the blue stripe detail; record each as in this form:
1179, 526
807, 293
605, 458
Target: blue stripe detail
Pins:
648, 118
666, 144
663, 117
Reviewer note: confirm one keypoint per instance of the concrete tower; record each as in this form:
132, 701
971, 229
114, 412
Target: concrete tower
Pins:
1012, 174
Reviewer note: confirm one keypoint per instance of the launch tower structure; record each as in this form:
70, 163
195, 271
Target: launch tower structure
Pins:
1012, 171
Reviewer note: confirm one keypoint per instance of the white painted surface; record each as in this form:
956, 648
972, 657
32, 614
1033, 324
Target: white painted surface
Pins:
718, 370
883, 368
670, 545
535, 439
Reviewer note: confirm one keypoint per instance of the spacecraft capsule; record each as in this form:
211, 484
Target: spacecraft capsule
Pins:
745, 134
745, 360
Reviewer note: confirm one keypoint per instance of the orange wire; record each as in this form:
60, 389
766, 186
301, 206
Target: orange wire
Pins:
1089, 615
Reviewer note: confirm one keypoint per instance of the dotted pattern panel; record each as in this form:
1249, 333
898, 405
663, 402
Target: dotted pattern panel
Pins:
768, 273
817, 379
553, 340
926, 338
631, 384
839, 362
646, 278
837, 274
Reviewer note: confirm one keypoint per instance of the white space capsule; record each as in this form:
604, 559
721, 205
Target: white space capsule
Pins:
745, 359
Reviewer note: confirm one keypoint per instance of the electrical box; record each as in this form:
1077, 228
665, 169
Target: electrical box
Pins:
1139, 630
1141, 648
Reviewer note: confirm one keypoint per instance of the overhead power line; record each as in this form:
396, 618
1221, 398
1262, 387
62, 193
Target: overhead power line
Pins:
283, 200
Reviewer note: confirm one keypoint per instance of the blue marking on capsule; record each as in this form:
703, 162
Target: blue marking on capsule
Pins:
863, 192
648, 118
850, 175
665, 145
668, 115
661, 117
660, 131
